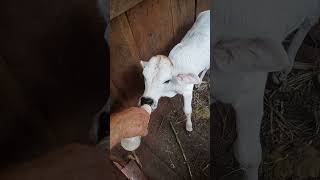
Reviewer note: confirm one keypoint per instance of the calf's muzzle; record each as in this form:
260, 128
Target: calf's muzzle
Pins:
146, 100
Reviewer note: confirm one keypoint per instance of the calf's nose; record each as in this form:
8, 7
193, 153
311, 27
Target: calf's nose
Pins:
145, 100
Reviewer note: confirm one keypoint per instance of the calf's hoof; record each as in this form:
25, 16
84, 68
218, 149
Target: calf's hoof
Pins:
189, 127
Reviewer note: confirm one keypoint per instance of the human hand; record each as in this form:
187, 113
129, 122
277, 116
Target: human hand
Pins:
128, 123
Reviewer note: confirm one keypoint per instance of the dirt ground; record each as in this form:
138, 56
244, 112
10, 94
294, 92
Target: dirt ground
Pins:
290, 132
160, 154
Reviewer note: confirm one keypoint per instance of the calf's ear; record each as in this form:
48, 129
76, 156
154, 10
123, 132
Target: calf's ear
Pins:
189, 78
143, 63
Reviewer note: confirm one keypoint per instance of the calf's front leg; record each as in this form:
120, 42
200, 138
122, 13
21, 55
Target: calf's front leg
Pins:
247, 147
249, 114
187, 108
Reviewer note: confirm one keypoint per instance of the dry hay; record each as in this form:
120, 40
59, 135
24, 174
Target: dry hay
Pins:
200, 104
291, 128
290, 132
200, 101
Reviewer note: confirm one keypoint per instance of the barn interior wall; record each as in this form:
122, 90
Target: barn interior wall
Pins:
148, 28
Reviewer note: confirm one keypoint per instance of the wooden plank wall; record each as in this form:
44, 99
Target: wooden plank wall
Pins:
148, 28
121, 6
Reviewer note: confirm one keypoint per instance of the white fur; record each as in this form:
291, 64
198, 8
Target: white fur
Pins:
247, 45
183, 65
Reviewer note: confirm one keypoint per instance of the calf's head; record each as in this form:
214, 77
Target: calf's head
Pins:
162, 80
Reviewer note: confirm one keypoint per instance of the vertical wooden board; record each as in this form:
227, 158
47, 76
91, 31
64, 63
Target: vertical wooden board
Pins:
183, 13
124, 67
120, 6
117, 98
151, 25
202, 5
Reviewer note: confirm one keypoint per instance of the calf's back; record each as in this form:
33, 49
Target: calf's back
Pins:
253, 19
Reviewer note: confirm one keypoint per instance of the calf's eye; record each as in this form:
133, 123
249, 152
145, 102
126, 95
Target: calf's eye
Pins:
166, 82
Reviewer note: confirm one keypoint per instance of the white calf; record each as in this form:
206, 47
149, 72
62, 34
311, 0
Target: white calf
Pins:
246, 46
177, 74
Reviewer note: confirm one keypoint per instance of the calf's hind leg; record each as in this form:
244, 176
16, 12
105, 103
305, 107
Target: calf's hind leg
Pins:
293, 48
187, 108
203, 73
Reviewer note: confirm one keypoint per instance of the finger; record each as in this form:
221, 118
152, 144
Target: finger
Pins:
146, 119
139, 112
142, 111
145, 132
141, 119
